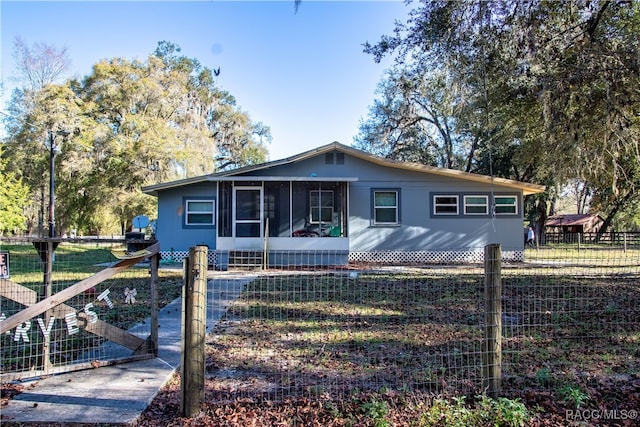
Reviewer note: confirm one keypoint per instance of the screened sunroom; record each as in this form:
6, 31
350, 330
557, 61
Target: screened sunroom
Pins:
277, 213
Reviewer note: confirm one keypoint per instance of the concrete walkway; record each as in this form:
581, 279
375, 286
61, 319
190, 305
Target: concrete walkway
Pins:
118, 394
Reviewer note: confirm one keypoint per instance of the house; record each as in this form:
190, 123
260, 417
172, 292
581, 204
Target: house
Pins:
574, 223
336, 204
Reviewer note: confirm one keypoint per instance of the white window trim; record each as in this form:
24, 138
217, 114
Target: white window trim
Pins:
319, 207
190, 212
396, 207
435, 205
507, 196
485, 204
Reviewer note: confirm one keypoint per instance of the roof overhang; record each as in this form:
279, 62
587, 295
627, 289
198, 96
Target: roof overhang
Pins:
526, 188
285, 178
572, 219
243, 172
153, 189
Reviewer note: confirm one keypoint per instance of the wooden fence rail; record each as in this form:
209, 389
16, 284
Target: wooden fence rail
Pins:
630, 238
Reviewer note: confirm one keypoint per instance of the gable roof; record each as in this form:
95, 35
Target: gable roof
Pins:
526, 188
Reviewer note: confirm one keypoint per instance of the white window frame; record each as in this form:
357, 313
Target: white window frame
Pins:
436, 204
376, 207
468, 204
506, 196
189, 212
322, 195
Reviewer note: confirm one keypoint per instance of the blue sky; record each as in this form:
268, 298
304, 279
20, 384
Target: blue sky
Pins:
303, 74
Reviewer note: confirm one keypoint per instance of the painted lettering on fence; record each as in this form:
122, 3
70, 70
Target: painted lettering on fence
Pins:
70, 319
4, 265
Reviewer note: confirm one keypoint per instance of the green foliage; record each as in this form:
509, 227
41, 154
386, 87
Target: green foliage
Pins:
503, 411
543, 376
411, 120
444, 413
486, 411
628, 218
573, 395
545, 103
129, 205
13, 196
377, 411
133, 123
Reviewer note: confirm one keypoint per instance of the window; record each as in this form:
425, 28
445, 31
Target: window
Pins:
476, 205
506, 205
321, 204
199, 212
385, 207
445, 205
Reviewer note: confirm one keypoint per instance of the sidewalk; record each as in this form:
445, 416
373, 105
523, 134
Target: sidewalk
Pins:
118, 394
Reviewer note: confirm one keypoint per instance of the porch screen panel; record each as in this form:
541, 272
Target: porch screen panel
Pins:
225, 200
247, 213
276, 208
247, 229
299, 200
248, 205
341, 208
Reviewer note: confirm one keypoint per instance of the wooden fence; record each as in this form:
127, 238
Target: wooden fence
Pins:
628, 238
61, 314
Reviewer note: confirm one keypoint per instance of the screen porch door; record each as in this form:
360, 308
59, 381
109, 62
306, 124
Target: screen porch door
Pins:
247, 217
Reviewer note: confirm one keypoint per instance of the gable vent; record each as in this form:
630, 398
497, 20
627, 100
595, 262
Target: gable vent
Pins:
328, 158
339, 158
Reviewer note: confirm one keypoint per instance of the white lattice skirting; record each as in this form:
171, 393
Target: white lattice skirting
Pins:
429, 257
179, 256
380, 257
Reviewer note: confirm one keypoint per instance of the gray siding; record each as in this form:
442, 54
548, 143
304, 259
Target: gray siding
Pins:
171, 231
309, 167
418, 229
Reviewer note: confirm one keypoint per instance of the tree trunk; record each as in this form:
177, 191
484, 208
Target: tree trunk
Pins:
542, 219
609, 219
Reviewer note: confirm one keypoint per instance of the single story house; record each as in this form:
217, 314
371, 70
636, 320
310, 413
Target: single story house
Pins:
336, 204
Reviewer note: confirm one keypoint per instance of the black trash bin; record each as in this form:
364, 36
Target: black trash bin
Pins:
132, 239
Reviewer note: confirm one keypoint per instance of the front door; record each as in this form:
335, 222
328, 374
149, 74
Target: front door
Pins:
247, 217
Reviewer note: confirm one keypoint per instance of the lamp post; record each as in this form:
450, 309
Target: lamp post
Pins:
52, 198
